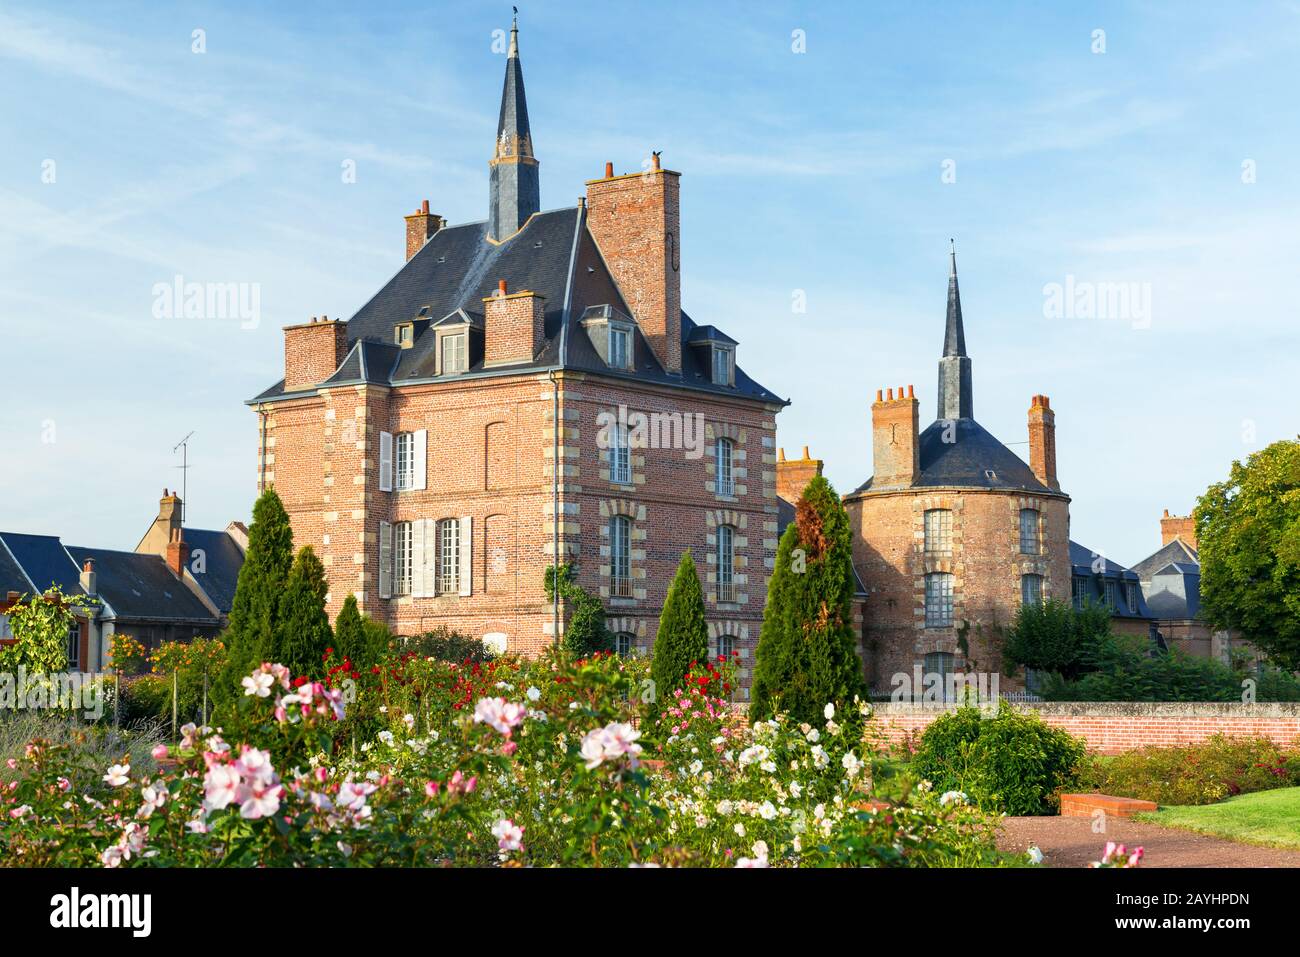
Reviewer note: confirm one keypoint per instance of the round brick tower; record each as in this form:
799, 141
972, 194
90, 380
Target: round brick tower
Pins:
953, 531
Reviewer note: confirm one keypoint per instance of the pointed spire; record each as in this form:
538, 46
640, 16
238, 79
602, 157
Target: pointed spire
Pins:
954, 338
515, 192
956, 390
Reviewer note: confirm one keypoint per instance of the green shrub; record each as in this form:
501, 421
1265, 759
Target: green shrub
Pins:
1054, 636
584, 631
1195, 774
1012, 763
683, 636
444, 644
145, 698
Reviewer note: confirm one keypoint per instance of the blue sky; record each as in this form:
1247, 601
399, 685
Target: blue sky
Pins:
817, 174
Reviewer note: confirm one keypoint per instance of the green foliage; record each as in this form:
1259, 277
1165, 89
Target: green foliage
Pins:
1195, 774
1012, 763
40, 626
145, 698
362, 646
194, 665
1054, 636
302, 629
1248, 531
445, 644
262, 578
807, 651
683, 636
584, 632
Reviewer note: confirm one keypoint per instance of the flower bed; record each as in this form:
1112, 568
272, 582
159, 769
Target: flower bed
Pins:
504, 763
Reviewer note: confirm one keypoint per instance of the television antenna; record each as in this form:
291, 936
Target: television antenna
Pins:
183, 445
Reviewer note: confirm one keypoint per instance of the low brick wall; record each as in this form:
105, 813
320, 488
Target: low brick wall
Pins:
1111, 727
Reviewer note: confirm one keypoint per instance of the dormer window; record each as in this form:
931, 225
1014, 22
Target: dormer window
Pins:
724, 365
620, 346
455, 354
404, 334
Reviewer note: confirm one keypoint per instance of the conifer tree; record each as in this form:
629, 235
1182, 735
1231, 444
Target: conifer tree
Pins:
807, 651
350, 635
256, 604
683, 636
302, 629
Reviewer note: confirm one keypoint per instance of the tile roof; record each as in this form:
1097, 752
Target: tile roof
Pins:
141, 586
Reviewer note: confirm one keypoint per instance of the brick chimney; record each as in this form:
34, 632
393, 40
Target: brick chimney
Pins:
636, 221
178, 554
1177, 526
420, 225
792, 477
895, 439
1042, 441
88, 582
169, 514
313, 351
514, 326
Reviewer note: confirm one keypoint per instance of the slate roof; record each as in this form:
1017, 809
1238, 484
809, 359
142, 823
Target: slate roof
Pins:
222, 560
975, 460
555, 256
1083, 559
141, 586
45, 562
1174, 592
11, 575
1175, 551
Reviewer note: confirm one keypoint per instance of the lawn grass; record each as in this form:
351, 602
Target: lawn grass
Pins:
1270, 818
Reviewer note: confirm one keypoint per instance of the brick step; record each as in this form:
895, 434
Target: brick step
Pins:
1084, 805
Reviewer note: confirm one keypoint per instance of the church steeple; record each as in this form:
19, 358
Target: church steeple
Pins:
515, 191
956, 399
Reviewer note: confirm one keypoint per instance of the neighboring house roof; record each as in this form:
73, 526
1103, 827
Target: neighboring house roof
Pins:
141, 586
1096, 568
222, 560
44, 561
1175, 551
12, 577
975, 459
1174, 591
555, 256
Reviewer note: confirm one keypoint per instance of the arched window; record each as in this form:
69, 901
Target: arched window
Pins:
938, 600
1030, 536
620, 556
724, 454
726, 563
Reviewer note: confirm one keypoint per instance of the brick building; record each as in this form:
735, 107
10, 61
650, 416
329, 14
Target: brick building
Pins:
953, 530
530, 367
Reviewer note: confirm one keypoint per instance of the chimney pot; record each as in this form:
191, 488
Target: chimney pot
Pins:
780, 457
880, 395
88, 565
609, 171
911, 394
424, 206
501, 287
805, 452
890, 394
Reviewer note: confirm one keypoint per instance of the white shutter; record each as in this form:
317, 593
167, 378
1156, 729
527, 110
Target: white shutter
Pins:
385, 560
418, 545
385, 461
429, 570
466, 555
421, 454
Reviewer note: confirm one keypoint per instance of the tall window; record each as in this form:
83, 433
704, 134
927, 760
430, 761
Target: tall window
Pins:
1080, 590
1031, 589
941, 663
620, 555
619, 347
1131, 596
722, 359
454, 354
448, 556
724, 453
1112, 598
1029, 536
403, 558
405, 442
726, 646
620, 456
938, 531
74, 646
624, 644
938, 600
726, 563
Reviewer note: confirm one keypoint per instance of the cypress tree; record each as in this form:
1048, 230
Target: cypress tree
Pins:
350, 635
807, 651
256, 604
302, 631
683, 636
